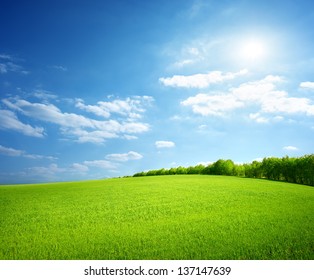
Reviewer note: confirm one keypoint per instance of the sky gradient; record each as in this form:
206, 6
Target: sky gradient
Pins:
96, 89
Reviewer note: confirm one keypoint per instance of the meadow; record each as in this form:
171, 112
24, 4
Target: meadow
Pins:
159, 217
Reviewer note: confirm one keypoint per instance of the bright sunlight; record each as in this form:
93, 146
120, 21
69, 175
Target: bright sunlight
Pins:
253, 50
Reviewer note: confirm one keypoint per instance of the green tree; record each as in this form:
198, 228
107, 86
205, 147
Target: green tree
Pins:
239, 170
222, 167
207, 170
181, 170
172, 171
272, 168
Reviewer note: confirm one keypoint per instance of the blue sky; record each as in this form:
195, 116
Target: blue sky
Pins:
96, 89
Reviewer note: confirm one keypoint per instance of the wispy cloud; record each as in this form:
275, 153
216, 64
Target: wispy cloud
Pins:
44, 95
131, 107
183, 63
60, 68
79, 127
188, 55
258, 118
7, 65
6, 56
200, 80
290, 148
164, 144
10, 151
103, 164
196, 8
47, 172
196, 53
3, 68
95, 109
51, 172
129, 137
82, 135
7, 151
77, 167
111, 163
124, 157
205, 163
9, 121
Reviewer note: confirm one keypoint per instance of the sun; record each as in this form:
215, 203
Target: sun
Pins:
253, 50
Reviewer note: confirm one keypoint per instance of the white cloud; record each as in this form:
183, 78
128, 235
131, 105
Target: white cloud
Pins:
8, 65
271, 100
3, 68
182, 63
10, 151
97, 110
53, 172
262, 94
202, 127
278, 118
9, 121
258, 118
258, 159
84, 136
205, 163
196, 8
193, 51
178, 118
37, 174
188, 55
102, 130
130, 107
217, 105
290, 148
20, 153
164, 144
122, 107
111, 162
104, 164
129, 137
288, 105
5, 56
60, 67
307, 85
79, 127
257, 91
44, 95
46, 172
77, 167
200, 80
134, 127
32, 156
48, 113
124, 157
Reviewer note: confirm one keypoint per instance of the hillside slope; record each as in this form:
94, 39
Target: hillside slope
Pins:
162, 217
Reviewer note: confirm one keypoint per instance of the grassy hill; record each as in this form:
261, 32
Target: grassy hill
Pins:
162, 217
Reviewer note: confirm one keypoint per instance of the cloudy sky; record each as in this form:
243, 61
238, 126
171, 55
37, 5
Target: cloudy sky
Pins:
95, 89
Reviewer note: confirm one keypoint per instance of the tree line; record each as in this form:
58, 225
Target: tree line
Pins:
298, 170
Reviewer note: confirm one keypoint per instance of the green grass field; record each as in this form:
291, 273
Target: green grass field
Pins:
162, 217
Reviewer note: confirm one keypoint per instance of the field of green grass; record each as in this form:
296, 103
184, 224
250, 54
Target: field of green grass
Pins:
162, 217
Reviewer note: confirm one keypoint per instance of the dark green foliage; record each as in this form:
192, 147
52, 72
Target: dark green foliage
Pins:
207, 170
295, 170
223, 167
198, 169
